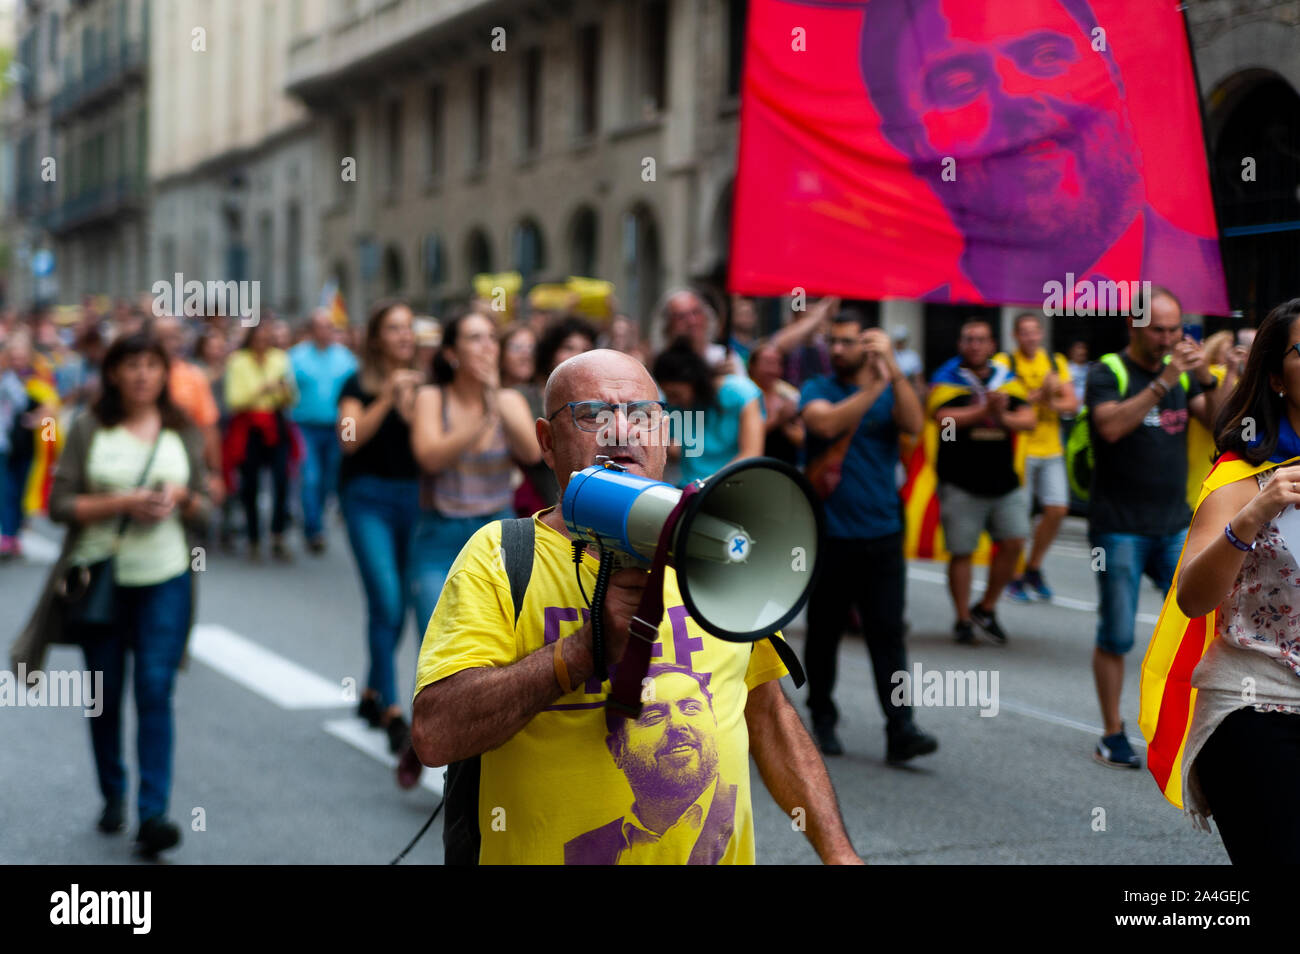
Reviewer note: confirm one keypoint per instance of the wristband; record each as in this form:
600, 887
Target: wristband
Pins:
1214, 383
1159, 387
1235, 541
561, 670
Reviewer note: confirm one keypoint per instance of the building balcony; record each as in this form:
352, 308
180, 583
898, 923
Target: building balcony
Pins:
104, 78
372, 42
97, 206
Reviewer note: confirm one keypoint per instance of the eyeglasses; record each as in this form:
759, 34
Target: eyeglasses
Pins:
593, 415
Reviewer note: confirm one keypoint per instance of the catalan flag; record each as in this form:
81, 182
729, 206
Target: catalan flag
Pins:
41, 391
923, 534
1177, 645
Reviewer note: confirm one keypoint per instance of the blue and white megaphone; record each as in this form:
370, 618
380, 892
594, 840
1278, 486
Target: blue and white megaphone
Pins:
745, 547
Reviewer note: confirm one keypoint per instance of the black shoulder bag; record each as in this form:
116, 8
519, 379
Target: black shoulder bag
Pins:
89, 592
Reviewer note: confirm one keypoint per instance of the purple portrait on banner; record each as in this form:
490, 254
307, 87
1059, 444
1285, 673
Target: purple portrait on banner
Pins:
1015, 115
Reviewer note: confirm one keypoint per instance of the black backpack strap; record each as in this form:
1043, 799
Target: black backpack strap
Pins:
461, 838
790, 658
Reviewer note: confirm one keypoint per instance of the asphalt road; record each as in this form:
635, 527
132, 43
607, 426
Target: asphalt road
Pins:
278, 769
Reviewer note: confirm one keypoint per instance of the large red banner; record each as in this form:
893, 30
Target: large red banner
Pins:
971, 151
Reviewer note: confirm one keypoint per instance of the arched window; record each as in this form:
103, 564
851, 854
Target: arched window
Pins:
394, 275
641, 262
528, 248
582, 242
1258, 213
478, 252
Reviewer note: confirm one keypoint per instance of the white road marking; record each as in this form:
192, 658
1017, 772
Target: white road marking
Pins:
39, 550
374, 743
922, 575
1034, 712
266, 673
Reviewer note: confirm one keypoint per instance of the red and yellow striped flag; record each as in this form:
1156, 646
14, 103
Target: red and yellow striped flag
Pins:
922, 533
1177, 645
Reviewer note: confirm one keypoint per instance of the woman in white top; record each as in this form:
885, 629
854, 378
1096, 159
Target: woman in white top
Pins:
131, 478
1241, 757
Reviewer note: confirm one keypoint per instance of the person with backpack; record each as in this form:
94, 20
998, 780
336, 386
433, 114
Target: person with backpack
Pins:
1046, 379
507, 695
1137, 405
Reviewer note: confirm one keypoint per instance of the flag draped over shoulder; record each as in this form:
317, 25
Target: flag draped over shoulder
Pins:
1177, 645
923, 535
41, 391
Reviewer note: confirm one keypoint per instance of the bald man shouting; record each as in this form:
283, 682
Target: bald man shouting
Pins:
554, 785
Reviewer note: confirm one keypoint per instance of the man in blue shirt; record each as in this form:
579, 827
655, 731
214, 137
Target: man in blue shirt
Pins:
320, 366
854, 417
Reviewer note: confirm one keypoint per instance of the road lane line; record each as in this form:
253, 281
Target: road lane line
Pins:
262, 671
360, 736
1044, 715
922, 575
39, 550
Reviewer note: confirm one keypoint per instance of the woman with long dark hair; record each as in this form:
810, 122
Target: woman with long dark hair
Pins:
720, 420
467, 434
130, 482
1242, 751
259, 387
379, 492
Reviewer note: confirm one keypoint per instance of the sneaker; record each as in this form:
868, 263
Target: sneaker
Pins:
113, 818
1034, 581
1016, 591
316, 546
280, 551
254, 553
399, 734
1114, 751
987, 624
409, 768
907, 743
157, 834
964, 633
10, 548
369, 710
827, 740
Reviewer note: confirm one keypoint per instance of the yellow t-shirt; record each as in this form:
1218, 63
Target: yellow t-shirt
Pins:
1045, 439
554, 793
245, 377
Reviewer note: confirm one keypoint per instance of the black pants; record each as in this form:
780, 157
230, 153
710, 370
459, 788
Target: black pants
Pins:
871, 575
256, 456
1250, 773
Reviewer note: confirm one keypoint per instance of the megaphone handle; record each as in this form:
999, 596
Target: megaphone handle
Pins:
625, 691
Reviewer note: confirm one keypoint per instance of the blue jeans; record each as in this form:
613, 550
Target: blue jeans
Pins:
320, 472
153, 622
381, 515
438, 541
1127, 557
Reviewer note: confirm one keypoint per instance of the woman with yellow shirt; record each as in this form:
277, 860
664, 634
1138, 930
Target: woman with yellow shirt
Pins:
259, 387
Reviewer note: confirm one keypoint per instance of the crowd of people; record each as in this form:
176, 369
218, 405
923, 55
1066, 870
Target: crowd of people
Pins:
424, 434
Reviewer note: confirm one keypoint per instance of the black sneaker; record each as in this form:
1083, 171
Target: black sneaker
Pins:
827, 740
369, 710
1114, 751
964, 632
399, 734
157, 834
987, 624
908, 743
113, 818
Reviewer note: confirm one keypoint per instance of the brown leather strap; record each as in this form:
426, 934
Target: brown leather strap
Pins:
625, 691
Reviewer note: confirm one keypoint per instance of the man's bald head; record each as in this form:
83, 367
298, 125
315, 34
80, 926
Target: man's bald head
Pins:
600, 375
167, 329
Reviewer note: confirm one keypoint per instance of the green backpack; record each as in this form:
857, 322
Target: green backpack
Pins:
1079, 460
